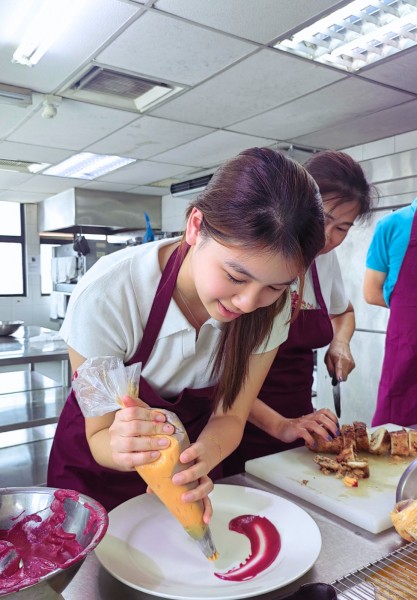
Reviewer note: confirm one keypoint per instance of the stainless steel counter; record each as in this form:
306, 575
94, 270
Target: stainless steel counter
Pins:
345, 548
22, 348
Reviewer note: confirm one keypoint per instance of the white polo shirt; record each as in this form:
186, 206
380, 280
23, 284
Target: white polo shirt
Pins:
331, 285
109, 308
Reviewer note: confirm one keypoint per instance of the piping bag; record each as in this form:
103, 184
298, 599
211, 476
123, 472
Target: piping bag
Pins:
100, 384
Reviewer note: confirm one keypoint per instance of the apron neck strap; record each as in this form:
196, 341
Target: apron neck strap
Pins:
160, 305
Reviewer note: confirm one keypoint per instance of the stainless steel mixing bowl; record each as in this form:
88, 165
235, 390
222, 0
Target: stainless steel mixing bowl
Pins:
9, 327
82, 516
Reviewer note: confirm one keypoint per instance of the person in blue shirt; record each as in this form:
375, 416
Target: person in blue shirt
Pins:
391, 281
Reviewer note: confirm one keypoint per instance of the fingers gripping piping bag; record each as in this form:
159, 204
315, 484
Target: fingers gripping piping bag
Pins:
100, 384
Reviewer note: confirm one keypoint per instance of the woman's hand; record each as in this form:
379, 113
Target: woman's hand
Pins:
323, 422
132, 434
196, 474
339, 360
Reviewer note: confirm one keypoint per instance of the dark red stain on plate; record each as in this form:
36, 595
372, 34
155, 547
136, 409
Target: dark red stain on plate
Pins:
265, 543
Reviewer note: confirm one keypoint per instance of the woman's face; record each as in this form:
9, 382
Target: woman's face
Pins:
338, 219
231, 281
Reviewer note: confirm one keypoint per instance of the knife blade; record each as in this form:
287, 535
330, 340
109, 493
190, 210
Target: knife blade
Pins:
336, 395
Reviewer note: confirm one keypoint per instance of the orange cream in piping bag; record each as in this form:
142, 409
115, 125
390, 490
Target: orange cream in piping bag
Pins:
158, 475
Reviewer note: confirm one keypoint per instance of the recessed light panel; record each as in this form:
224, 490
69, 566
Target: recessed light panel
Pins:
88, 166
359, 34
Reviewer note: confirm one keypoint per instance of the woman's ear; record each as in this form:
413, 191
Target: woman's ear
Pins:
193, 226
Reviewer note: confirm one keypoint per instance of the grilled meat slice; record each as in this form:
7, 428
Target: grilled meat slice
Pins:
380, 442
399, 443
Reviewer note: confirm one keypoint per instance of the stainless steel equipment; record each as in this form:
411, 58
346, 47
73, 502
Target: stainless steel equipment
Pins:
393, 576
9, 327
83, 516
97, 212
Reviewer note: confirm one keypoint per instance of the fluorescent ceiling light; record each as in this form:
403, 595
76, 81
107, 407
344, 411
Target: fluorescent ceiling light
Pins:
361, 33
88, 166
21, 166
47, 24
17, 96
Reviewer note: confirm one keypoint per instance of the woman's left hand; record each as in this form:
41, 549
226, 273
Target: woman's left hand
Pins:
198, 453
339, 360
323, 422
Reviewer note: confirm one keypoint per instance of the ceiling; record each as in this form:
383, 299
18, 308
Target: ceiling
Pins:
237, 92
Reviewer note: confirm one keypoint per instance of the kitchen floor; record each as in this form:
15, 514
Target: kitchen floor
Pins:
24, 449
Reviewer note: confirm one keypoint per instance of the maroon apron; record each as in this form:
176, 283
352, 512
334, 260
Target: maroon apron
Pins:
287, 387
397, 392
71, 464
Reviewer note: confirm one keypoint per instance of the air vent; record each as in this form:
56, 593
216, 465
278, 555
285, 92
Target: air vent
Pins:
21, 166
120, 90
105, 81
192, 186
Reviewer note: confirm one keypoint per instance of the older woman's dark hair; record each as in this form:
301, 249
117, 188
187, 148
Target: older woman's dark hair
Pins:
260, 200
340, 177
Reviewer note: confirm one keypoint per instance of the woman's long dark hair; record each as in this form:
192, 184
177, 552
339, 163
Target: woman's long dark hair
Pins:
260, 200
340, 177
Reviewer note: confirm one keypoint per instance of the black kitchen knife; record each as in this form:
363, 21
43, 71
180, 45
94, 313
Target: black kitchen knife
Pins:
336, 395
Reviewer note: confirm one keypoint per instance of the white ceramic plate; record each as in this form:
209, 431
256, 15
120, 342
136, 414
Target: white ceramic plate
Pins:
147, 549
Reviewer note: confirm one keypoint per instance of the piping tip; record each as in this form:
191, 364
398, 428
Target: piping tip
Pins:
207, 546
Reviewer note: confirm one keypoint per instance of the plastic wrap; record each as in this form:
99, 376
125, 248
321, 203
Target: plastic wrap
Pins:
100, 383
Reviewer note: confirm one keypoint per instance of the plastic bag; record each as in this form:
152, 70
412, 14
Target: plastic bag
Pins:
101, 382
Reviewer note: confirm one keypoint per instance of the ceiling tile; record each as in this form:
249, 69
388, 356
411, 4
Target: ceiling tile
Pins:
306, 114
212, 149
12, 179
76, 125
258, 83
237, 17
368, 128
144, 172
15, 151
46, 184
100, 19
166, 48
148, 136
400, 71
16, 196
12, 116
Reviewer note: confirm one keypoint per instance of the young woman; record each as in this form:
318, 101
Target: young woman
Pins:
204, 315
283, 416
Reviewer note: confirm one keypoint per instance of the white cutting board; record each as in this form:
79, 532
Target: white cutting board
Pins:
368, 506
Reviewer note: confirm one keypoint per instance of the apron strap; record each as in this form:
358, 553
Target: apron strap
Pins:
317, 288
160, 305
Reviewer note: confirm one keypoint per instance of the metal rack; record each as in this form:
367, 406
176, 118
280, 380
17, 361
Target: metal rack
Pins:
393, 577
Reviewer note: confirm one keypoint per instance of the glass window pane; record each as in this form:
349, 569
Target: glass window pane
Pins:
10, 218
11, 273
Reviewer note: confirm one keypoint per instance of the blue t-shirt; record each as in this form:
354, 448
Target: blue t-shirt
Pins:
389, 245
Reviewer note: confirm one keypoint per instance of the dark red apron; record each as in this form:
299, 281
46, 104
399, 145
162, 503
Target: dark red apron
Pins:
71, 464
397, 392
287, 387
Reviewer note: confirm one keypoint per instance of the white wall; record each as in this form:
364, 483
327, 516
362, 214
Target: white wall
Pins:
173, 212
392, 166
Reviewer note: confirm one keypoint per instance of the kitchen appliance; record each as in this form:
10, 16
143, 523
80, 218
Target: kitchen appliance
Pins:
368, 506
393, 576
93, 211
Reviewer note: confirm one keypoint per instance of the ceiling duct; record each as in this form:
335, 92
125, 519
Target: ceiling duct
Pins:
191, 186
90, 211
106, 87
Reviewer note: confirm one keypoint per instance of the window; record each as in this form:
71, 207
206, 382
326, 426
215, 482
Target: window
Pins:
12, 249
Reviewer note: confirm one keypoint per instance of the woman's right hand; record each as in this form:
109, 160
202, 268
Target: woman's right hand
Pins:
134, 434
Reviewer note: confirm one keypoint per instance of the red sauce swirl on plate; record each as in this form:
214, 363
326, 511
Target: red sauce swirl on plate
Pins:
265, 543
